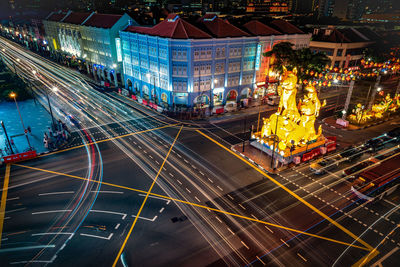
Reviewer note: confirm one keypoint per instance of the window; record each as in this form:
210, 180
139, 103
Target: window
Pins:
339, 52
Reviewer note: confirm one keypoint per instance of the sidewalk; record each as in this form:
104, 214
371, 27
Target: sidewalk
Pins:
33, 115
331, 122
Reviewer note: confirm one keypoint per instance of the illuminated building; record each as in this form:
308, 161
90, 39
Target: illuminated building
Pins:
177, 63
89, 37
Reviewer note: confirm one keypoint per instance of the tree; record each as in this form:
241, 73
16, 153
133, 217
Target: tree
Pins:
283, 54
303, 59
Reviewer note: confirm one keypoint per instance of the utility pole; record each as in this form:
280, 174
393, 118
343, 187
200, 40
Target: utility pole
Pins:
376, 88
346, 105
8, 140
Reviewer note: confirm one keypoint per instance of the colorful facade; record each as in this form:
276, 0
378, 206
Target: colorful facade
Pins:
178, 64
91, 38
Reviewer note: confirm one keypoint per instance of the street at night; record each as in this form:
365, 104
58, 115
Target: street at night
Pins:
199, 139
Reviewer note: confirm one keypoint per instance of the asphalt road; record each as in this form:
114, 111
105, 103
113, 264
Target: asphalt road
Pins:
196, 203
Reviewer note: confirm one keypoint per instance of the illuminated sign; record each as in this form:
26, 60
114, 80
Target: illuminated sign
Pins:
258, 55
218, 90
118, 47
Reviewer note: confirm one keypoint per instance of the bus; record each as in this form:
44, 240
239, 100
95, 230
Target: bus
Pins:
379, 180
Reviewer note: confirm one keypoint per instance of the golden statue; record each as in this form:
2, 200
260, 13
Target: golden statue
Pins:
287, 92
293, 128
309, 108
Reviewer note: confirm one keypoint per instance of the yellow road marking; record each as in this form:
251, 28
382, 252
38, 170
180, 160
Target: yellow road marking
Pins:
323, 215
364, 260
145, 199
197, 205
4, 199
108, 139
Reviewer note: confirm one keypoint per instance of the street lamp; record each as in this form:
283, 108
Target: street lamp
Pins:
14, 96
379, 89
114, 65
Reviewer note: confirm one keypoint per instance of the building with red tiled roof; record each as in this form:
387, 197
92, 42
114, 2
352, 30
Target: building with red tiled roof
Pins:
210, 63
172, 27
76, 18
259, 29
344, 46
56, 17
286, 27
220, 28
105, 21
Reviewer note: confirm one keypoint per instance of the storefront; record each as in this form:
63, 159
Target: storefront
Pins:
245, 97
218, 96
201, 101
231, 96
145, 91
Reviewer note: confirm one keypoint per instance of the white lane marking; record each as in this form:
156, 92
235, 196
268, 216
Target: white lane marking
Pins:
151, 156
285, 243
63, 246
242, 206
117, 226
111, 212
229, 229
179, 182
108, 192
179, 156
201, 173
210, 180
194, 167
23, 262
162, 209
49, 211
97, 236
56, 193
4, 239
258, 258
244, 244
51, 233
26, 248
185, 161
218, 219
268, 229
220, 188
158, 163
145, 152
171, 174
10, 211
304, 259
188, 190
147, 219
197, 199
14, 198
166, 200
254, 217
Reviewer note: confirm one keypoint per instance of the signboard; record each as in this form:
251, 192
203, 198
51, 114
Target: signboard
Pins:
258, 55
118, 47
20, 157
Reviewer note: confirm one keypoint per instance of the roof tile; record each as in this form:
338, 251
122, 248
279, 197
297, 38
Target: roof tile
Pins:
259, 29
102, 20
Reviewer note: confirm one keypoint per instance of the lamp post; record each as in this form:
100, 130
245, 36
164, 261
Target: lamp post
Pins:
14, 96
54, 89
8, 140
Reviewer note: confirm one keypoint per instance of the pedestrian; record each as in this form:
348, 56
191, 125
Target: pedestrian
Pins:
29, 130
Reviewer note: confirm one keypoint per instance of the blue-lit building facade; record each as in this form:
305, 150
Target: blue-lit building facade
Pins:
177, 64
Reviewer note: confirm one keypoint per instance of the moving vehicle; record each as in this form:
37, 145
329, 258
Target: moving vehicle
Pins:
321, 166
379, 180
356, 168
352, 153
378, 143
395, 133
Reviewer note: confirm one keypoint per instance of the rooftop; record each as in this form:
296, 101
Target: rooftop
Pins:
56, 17
259, 29
345, 35
76, 18
220, 28
285, 27
102, 20
172, 27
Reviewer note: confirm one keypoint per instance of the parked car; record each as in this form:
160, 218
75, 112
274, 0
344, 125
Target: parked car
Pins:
322, 165
230, 106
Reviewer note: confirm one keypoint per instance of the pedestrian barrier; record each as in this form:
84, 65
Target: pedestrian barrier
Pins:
20, 156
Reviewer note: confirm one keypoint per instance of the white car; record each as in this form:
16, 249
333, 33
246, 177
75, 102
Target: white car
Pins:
230, 106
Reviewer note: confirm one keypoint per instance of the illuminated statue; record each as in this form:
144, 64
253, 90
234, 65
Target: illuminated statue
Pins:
291, 127
358, 112
287, 92
309, 109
